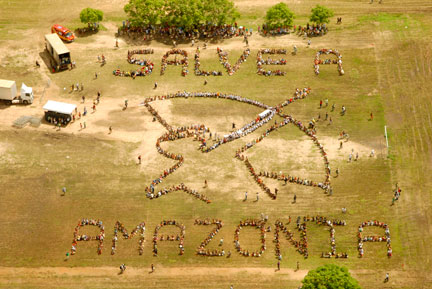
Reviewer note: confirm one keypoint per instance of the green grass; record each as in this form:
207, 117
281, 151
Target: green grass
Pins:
390, 78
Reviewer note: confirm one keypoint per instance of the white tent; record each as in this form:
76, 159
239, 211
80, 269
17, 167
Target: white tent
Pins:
59, 107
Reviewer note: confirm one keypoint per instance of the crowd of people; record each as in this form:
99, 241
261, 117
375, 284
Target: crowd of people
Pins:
201, 249
299, 94
385, 238
147, 66
261, 62
209, 31
311, 30
337, 61
198, 71
301, 245
305, 31
248, 128
321, 220
265, 30
151, 194
184, 61
119, 227
198, 133
179, 237
253, 223
77, 237
223, 58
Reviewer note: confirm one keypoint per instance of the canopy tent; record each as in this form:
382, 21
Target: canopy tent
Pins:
59, 107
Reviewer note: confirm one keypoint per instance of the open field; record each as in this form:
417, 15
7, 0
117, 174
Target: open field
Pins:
387, 58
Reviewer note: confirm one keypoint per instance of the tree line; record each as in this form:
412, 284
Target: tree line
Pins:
181, 13
189, 14
280, 15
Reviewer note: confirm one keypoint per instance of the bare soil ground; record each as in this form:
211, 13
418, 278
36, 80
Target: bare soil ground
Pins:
388, 71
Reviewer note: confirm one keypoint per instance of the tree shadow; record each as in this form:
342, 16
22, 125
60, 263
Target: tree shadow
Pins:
85, 32
144, 39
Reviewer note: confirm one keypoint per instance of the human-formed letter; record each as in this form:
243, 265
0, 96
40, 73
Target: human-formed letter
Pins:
146, 65
183, 62
223, 58
254, 223
362, 238
210, 253
78, 237
318, 61
261, 62
120, 227
179, 238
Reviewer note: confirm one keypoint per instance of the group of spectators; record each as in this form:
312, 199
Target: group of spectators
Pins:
223, 58
265, 30
253, 223
306, 31
147, 66
301, 246
201, 249
385, 238
198, 71
179, 238
338, 61
120, 227
261, 61
184, 61
78, 237
202, 31
311, 30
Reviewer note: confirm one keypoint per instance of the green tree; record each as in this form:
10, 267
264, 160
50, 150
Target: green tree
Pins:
321, 14
144, 12
330, 277
279, 15
180, 13
90, 15
219, 12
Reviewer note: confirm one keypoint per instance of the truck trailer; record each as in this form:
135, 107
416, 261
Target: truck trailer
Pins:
59, 53
8, 92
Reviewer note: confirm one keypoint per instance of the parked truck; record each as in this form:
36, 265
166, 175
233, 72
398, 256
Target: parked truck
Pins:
8, 92
60, 55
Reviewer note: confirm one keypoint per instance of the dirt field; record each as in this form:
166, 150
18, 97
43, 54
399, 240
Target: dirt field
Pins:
387, 61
